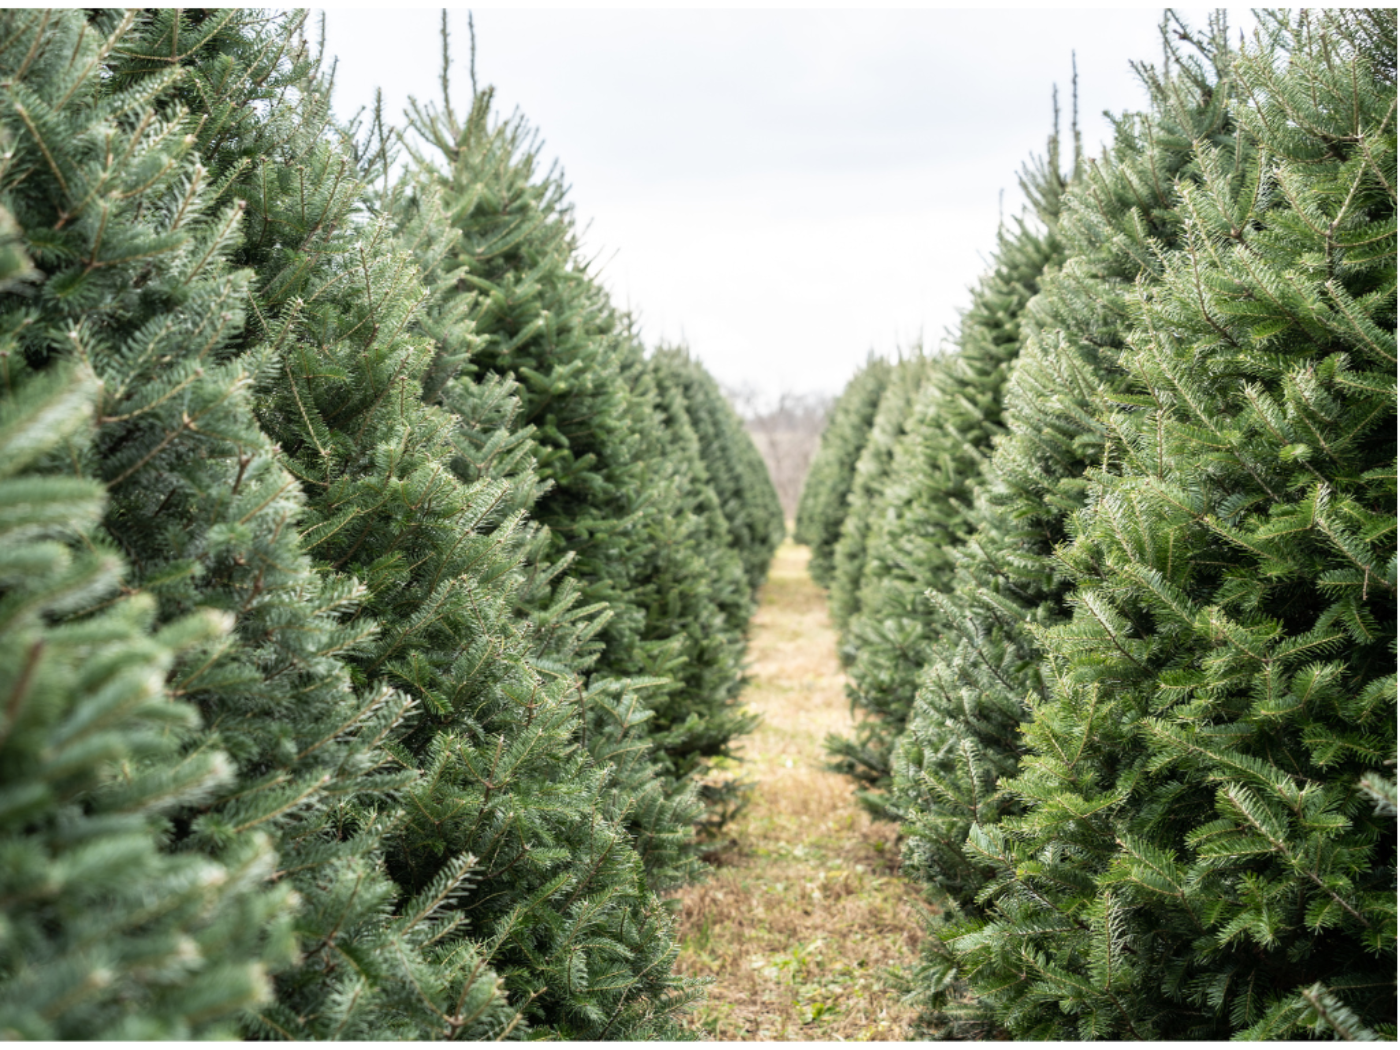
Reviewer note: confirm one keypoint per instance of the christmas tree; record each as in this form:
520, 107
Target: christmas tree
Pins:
733, 464
925, 512
615, 502
107, 934
823, 505
704, 587
129, 217
513, 852
542, 322
870, 480
1197, 856
964, 738
616, 714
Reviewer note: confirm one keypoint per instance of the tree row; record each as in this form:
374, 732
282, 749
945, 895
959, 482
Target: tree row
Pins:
1116, 573
372, 606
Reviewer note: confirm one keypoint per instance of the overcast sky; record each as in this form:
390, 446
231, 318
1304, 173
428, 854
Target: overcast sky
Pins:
785, 190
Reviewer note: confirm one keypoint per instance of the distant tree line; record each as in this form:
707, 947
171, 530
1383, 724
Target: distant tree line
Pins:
787, 431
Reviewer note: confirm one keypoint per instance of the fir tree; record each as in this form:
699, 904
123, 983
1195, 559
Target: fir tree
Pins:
869, 486
926, 510
712, 582
1197, 857
964, 737
823, 506
617, 714
558, 904
106, 934
513, 852
733, 464
132, 231
542, 322
614, 504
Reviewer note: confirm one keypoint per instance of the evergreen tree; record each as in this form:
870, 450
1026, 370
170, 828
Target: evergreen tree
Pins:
617, 714
558, 903
203, 506
733, 464
1197, 856
925, 512
613, 501
132, 231
869, 486
964, 738
823, 506
541, 321
702, 582
105, 934
512, 852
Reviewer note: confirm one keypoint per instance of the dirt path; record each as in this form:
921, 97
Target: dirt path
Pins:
804, 909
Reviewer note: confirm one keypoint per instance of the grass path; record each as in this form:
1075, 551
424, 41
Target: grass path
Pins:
805, 907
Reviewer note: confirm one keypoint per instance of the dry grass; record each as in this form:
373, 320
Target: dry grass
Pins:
805, 908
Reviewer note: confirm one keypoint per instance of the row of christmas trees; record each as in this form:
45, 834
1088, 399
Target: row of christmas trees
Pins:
370, 605
1116, 574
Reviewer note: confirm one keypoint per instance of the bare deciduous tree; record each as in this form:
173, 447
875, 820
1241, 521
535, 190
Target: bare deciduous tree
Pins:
786, 430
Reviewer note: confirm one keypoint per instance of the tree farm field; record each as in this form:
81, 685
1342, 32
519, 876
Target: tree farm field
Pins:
804, 910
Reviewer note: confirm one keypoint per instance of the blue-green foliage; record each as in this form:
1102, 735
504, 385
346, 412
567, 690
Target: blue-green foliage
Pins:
132, 230
618, 490
106, 934
291, 752
732, 463
926, 509
871, 501
1151, 759
513, 850
823, 505
1227, 675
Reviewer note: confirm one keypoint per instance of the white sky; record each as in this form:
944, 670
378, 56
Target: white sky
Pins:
784, 189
